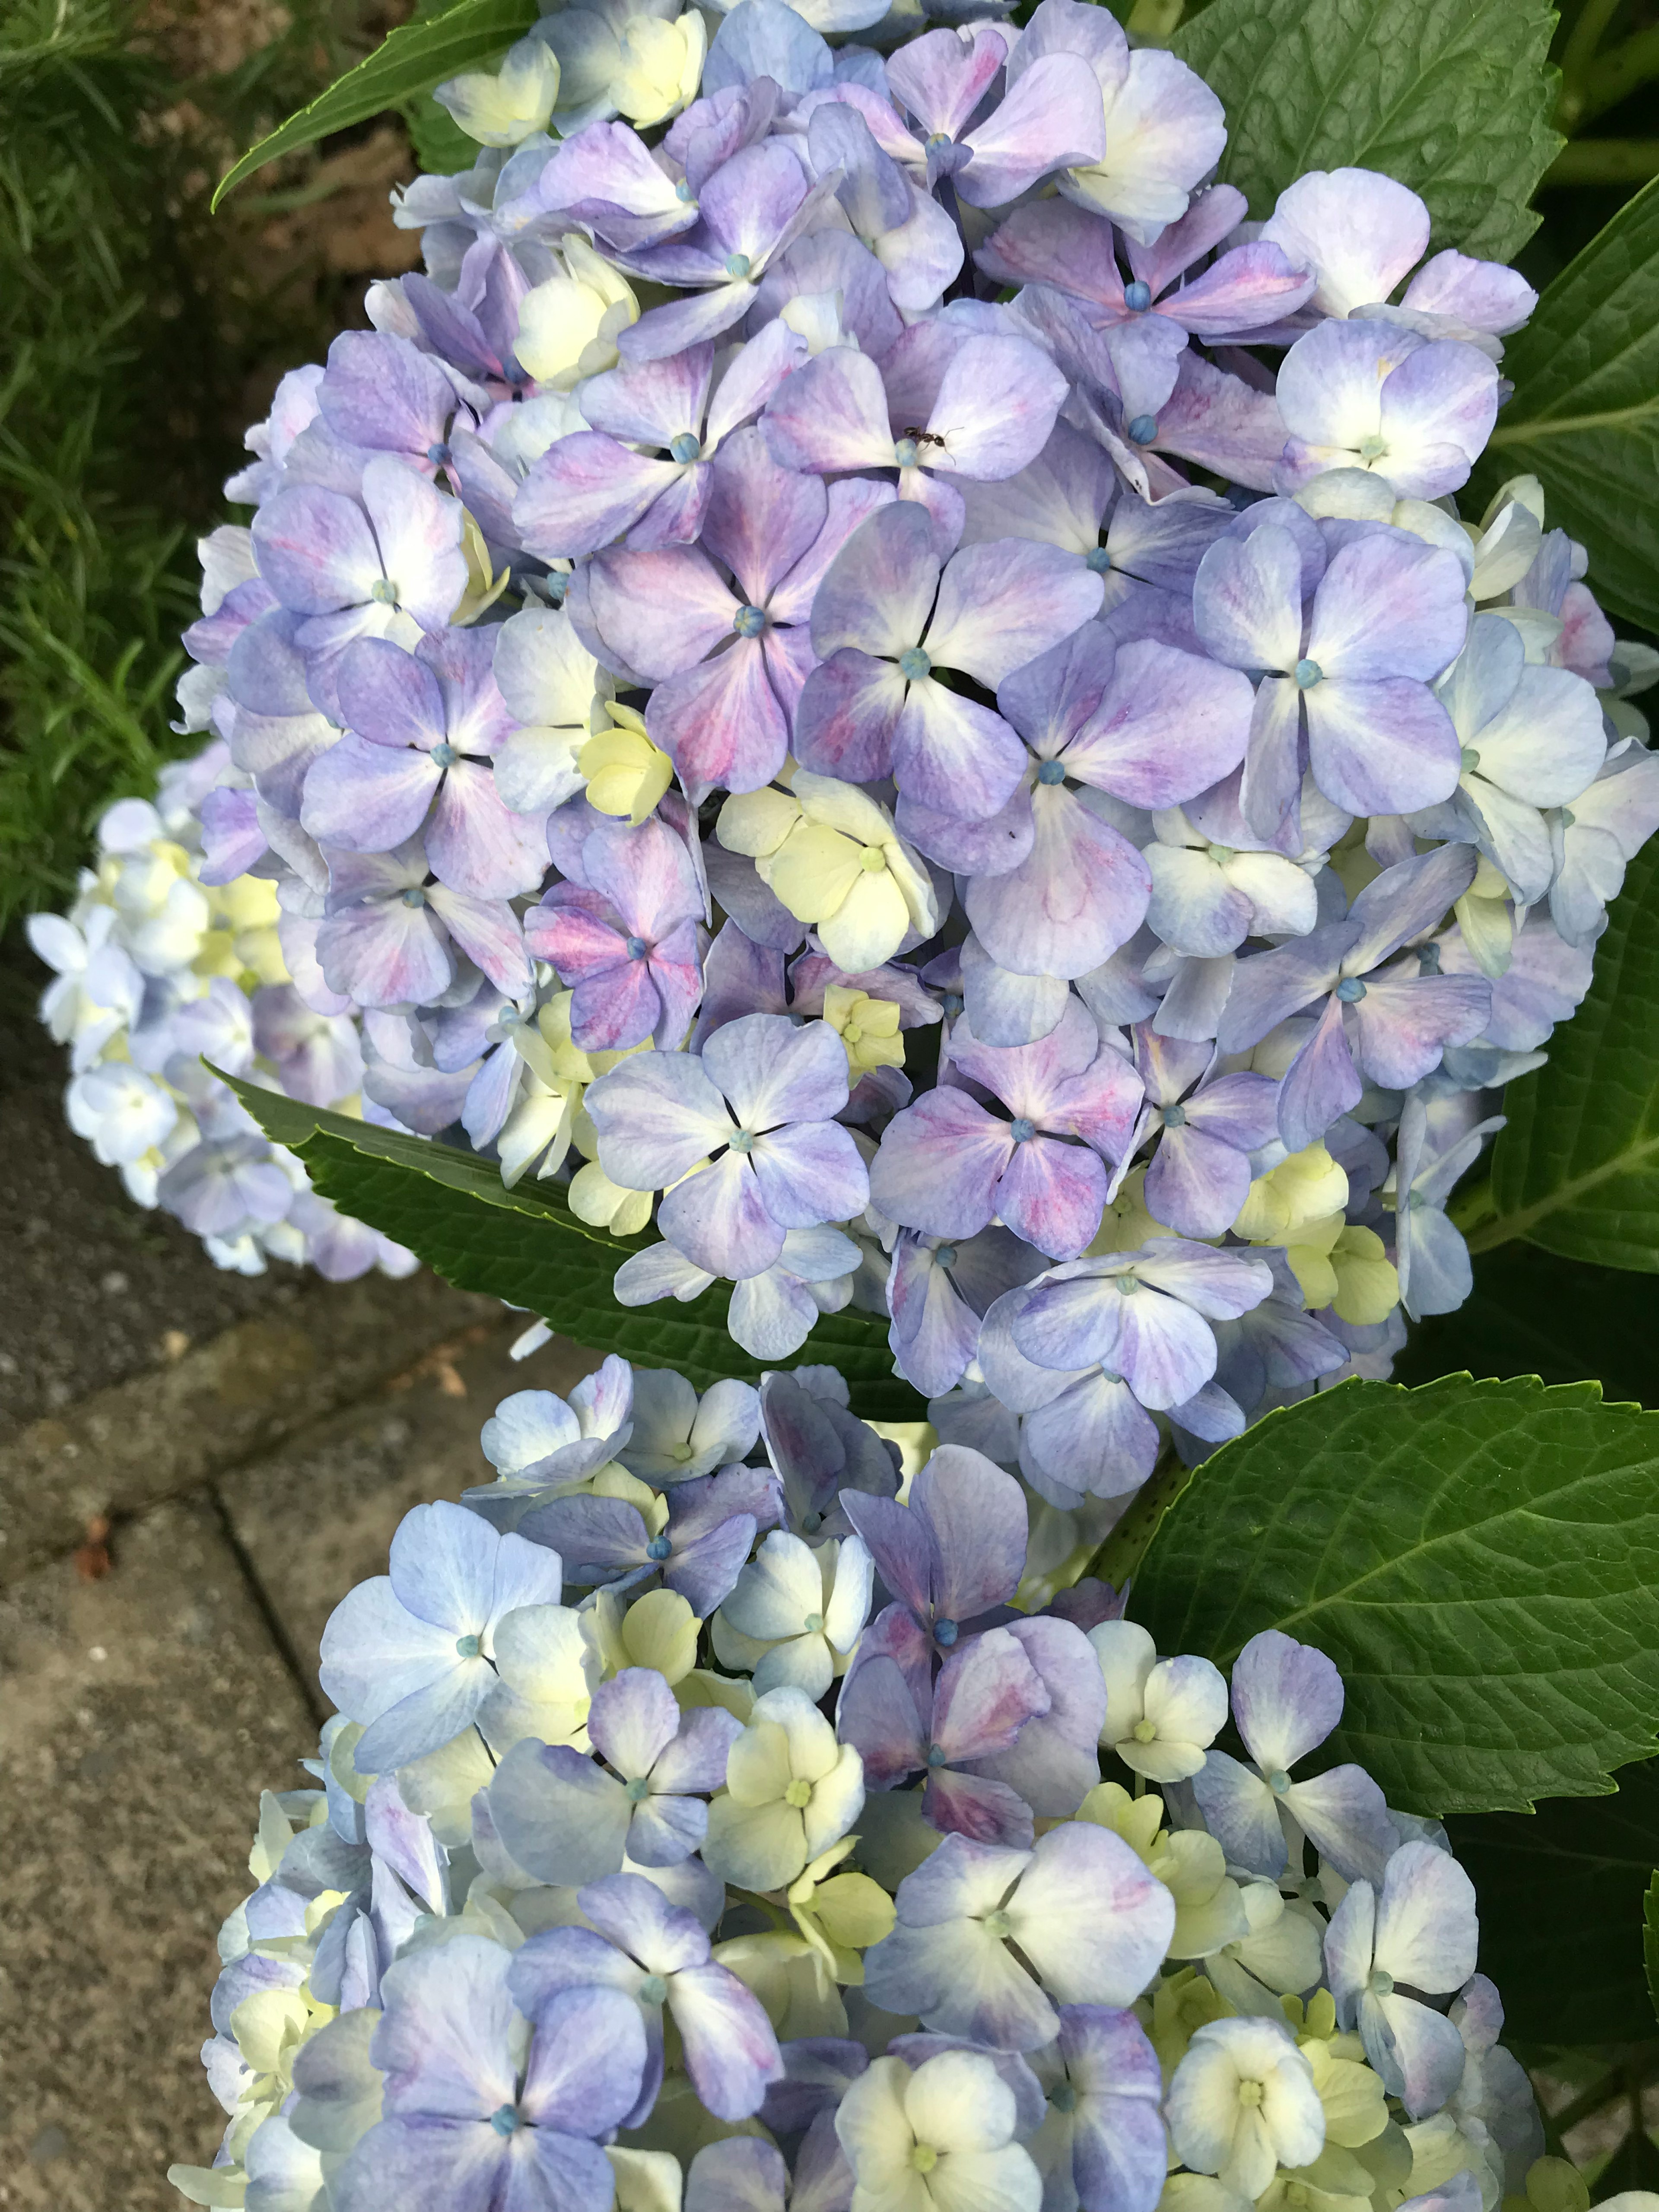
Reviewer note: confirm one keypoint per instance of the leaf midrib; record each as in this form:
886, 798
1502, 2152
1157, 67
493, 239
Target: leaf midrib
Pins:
1506, 1227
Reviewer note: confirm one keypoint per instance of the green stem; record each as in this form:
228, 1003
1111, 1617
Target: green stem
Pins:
1578, 57
1605, 161
1472, 1207
1617, 74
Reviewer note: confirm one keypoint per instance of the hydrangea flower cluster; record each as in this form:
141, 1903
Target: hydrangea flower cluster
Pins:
861, 667
732, 1805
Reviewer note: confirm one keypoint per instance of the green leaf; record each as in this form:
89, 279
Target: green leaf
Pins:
441, 146
1562, 1893
1480, 1559
526, 1246
1453, 97
1650, 1940
1577, 1170
416, 57
1585, 419
1531, 1313
1119, 1556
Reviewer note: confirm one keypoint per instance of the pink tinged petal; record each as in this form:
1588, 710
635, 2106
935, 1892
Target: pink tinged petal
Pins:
316, 550
1252, 285
1385, 747
810, 1174
938, 1164
846, 717
588, 491
1001, 605
366, 798
1196, 1183
1100, 1104
831, 415
762, 519
876, 592
719, 1220
1269, 987
1053, 1195
1168, 726
921, 256
650, 404
1321, 1083
851, 502
987, 1691
941, 78
1089, 1918
1386, 607
656, 1116
1344, 1817
1049, 241
773, 1072
731, 2052
1223, 423
790, 660
1358, 229
877, 1714
1406, 1023
1080, 895
1444, 397
418, 530
1486, 295
721, 723
951, 753
1241, 1813
984, 1810
385, 954
1052, 118
389, 695
679, 325
475, 844
1271, 786
996, 406
489, 932
615, 1006
662, 611
1247, 600
1194, 908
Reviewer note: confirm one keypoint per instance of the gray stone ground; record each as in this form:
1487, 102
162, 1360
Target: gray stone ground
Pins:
251, 1446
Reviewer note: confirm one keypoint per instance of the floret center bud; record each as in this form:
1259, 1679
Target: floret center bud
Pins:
1568, 818
1143, 429
1470, 760
945, 1256
1380, 1983
1428, 959
738, 265
687, 447
1063, 2097
998, 1925
924, 2158
913, 664
1145, 1731
415, 897
440, 455
950, 1005
872, 860
1110, 1374
1051, 772
384, 591
1250, 2094
904, 452
748, 622
638, 1790
945, 1633
1279, 1782
1098, 560
1126, 1286
683, 190
637, 948
1022, 1129
814, 1623
1351, 990
443, 756
1175, 1117
799, 1794
507, 2119
659, 1548
1220, 854
1139, 296
743, 1141
811, 1522
1307, 674
653, 1990
467, 1646
935, 1756
940, 138
1372, 448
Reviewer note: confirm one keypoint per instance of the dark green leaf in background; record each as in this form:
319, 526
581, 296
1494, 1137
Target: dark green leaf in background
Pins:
1584, 418
1563, 1898
1453, 97
524, 1246
414, 58
1480, 1559
1576, 1170
1531, 1313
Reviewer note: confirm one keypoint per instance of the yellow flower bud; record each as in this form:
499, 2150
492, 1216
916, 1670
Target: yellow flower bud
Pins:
867, 1027
626, 773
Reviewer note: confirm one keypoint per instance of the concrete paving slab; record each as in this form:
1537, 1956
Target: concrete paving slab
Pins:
140, 1715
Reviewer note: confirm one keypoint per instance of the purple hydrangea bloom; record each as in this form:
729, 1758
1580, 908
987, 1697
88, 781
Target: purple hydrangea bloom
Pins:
710, 1531
1371, 395
625, 938
1199, 1175
955, 1552
1101, 2143
937, 1293
1419, 1928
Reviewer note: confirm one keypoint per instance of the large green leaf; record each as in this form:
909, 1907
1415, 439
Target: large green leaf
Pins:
1480, 1559
1531, 1313
1585, 415
1577, 1170
1563, 1894
1453, 97
526, 1247
414, 58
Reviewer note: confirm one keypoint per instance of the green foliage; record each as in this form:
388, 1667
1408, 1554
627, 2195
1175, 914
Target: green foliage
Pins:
1480, 1559
1650, 1940
1585, 415
1564, 1896
1531, 1313
1450, 96
1576, 1170
526, 1247
414, 58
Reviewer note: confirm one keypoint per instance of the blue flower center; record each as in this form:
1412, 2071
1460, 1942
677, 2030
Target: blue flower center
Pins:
945, 1633
1022, 1129
637, 948
810, 1524
1469, 760
415, 898
1098, 561
507, 2119
1138, 296
683, 190
637, 1790
1279, 1782
1175, 1117
1063, 2097
742, 1141
384, 591
467, 1646
738, 265
1307, 674
660, 1547
1144, 429
1428, 959
950, 1005
1051, 772
813, 1624
904, 452
1351, 990
945, 1256
913, 664
687, 447
443, 756
748, 622
440, 455
935, 1756
1380, 1982
653, 1990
